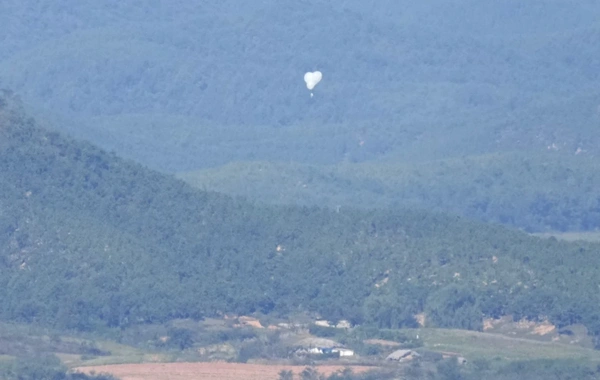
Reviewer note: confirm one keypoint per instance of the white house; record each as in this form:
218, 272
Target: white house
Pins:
322, 323
343, 324
344, 352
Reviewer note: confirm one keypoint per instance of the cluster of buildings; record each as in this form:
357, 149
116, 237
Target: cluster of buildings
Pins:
321, 346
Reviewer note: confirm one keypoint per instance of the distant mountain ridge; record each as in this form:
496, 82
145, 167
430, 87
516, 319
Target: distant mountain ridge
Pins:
158, 81
196, 88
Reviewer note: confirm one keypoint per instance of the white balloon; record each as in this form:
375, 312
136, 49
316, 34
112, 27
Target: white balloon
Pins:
312, 79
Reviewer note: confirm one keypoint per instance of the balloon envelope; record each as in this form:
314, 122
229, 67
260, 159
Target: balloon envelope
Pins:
312, 79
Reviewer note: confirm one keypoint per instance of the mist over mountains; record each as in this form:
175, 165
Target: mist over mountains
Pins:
183, 87
165, 171
450, 103
434, 124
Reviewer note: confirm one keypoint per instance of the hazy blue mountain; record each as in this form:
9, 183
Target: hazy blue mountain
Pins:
544, 192
183, 86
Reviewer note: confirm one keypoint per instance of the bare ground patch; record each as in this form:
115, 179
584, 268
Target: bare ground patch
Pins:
382, 342
213, 371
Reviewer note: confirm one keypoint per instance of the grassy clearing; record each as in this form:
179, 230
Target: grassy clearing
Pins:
5, 359
503, 347
473, 345
590, 236
21, 339
80, 361
119, 354
5, 363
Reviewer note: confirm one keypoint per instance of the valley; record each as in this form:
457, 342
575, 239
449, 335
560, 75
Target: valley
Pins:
177, 202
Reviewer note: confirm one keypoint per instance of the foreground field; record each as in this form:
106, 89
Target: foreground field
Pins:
472, 344
213, 371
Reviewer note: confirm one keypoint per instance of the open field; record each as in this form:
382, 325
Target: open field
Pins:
113, 359
591, 236
471, 344
503, 341
20, 339
213, 371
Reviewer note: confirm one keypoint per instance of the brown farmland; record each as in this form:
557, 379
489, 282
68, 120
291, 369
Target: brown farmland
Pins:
212, 371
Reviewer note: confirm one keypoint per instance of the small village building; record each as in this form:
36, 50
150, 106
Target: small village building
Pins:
322, 323
344, 352
402, 355
323, 347
343, 324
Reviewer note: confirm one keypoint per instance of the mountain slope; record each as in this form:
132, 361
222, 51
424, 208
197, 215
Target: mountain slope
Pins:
88, 239
157, 81
192, 87
548, 191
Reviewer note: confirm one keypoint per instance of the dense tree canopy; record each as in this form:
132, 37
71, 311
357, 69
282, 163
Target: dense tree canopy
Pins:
182, 87
545, 192
88, 239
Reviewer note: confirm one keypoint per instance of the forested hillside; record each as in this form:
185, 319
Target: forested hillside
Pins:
183, 87
544, 192
88, 240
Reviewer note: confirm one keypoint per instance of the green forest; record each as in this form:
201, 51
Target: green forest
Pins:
108, 242
465, 88
42, 367
165, 171
541, 193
